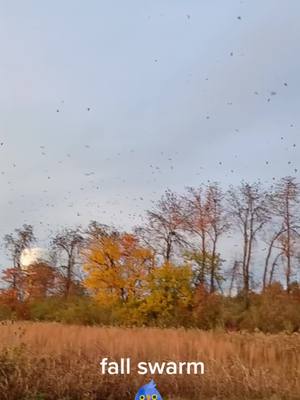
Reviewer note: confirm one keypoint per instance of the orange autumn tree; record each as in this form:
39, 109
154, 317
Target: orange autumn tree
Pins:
116, 266
39, 281
36, 282
12, 279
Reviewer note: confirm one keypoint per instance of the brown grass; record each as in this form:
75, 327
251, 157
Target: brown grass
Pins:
53, 361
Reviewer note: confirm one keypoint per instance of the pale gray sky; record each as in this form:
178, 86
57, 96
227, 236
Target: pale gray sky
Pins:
173, 88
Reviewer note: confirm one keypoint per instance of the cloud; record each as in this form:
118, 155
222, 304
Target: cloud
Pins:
33, 255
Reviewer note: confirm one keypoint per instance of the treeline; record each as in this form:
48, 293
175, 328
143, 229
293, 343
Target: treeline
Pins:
170, 271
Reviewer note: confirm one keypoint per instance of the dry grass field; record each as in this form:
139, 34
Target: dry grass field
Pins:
53, 361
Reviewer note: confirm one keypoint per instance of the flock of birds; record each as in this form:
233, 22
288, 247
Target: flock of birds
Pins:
85, 198
90, 185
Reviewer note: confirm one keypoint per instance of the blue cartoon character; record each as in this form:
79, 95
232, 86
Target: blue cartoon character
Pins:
148, 392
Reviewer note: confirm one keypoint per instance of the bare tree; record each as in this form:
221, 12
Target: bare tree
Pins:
270, 249
19, 241
198, 224
207, 220
235, 277
273, 266
67, 244
15, 243
285, 201
97, 232
164, 228
249, 211
219, 225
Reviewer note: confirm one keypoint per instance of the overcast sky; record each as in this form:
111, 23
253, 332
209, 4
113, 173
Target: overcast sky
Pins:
105, 104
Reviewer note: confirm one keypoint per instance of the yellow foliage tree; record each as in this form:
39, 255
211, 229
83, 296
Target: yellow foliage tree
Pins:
169, 294
116, 267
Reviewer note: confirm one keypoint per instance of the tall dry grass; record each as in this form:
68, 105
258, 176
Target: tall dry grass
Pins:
53, 361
